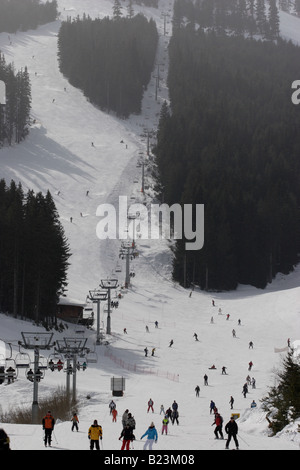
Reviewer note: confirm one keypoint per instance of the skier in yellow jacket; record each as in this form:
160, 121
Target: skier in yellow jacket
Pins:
94, 434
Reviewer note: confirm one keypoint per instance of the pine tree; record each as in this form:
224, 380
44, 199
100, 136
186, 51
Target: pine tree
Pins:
283, 401
273, 18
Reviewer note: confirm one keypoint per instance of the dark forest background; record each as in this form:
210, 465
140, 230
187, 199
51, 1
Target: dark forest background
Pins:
229, 139
21, 15
33, 253
110, 59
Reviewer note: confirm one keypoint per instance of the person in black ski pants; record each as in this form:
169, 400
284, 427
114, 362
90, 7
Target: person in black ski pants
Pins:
231, 429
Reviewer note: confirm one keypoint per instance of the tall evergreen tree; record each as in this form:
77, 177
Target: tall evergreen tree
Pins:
283, 400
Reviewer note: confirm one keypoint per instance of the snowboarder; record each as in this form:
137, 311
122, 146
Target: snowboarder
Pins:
128, 437
150, 405
48, 423
152, 436
165, 423
75, 422
231, 429
197, 390
218, 422
94, 434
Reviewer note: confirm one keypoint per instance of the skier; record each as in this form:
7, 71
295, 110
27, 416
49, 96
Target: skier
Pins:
150, 405
4, 440
112, 406
130, 421
162, 410
224, 370
146, 352
48, 426
219, 423
128, 437
245, 390
231, 429
75, 422
152, 436
196, 337
165, 423
251, 344
197, 390
231, 401
94, 434
114, 415
205, 379
171, 343
211, 406
175, 416
250, 365
152, 352
124, 418
233, 333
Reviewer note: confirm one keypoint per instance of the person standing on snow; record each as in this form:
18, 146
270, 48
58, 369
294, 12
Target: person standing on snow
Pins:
75, 422
114, 415
150, 405
128, 437
231, 401
94, 434
124, 418
219, 423
48, 426
152, 436
231, 429
197, 390
165, 423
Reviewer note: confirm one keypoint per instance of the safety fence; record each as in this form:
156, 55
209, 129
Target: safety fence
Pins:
140, 369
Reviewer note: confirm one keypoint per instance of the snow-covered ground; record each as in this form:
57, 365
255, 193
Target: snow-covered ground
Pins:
58, 155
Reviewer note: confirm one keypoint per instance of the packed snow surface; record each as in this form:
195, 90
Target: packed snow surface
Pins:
58, 155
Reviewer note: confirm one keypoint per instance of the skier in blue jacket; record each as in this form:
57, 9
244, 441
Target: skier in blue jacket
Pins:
152, 436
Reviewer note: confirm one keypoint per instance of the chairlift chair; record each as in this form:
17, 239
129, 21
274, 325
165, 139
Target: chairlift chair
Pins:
91, 358
118, 268
22, 360
11, 372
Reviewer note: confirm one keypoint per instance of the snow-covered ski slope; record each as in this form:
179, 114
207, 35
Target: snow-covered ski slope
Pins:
58, 155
